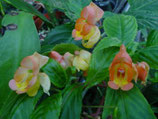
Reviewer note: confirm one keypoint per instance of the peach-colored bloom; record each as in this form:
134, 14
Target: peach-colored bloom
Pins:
143, 69
85, 28
27, 78
122, 71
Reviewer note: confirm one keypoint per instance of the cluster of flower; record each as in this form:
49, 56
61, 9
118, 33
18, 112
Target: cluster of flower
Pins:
28, 78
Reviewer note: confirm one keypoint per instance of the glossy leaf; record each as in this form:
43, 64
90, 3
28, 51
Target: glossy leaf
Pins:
15, 45
49, 108
122, 27
145, 11
72, 102
56, 73
126, 105
152, 38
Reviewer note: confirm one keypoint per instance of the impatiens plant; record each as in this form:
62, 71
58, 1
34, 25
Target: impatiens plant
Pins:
78, 59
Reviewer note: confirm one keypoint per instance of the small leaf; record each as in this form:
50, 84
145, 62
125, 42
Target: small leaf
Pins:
122, 27
65, 47
56, 73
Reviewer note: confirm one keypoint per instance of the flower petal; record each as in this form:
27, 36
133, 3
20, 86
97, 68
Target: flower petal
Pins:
92, 40
127, 87
12, 84
80, 64
20, 74
32, 91
99, 11
45, 82
56, 56
42, 59
112, 85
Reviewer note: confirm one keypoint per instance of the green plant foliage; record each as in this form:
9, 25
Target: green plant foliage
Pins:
24, 109
152, 38
107, 42
65, 47
72, 8
20, 4
49, 108
72, 102
126, 105
56, 73
98, 69
60, 34
145, 11
15, 45
149, 55
122, 27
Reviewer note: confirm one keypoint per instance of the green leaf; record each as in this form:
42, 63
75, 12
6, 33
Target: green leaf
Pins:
122, 27
126, 105
107, 42
49, 108
72, 102
65, 47
145, 11
24, 109
15, 45
149, 55
56, 73
100, 61
108, 14
60, 34
152, 38
72, 8
20, 4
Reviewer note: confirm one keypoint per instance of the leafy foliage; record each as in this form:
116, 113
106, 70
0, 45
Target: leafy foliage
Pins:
145, 11
127, 105
72, 102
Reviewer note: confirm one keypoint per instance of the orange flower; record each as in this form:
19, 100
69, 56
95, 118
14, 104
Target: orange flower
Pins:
143, 69
122, 71
85, 28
